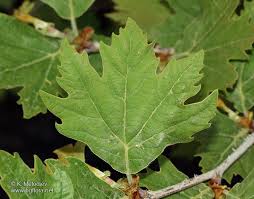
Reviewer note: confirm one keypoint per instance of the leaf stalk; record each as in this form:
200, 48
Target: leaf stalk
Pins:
74, 26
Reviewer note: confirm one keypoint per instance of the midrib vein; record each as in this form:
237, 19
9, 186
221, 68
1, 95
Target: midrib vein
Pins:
126, 147
96, 108
125, 105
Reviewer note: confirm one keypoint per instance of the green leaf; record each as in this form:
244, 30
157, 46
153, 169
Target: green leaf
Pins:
219, 141
27, 60
217, 31
171, 30
130, 114
169, 175
243, 95
243, 190
47, 13
69, 180
69, 9
147, 13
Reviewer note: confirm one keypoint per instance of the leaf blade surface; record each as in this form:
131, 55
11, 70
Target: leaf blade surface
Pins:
27, 60
219, 141
130, 114
68, 179
213, 27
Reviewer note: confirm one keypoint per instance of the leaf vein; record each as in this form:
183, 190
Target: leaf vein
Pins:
161, 102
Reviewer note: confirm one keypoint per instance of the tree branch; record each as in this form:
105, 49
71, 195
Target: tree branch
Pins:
213, 174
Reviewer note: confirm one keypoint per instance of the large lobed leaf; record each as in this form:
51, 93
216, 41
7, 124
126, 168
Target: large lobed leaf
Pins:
69, 179
219, 141
243, 95
169, 175
130, 114
69, 9
27, 60
213, 27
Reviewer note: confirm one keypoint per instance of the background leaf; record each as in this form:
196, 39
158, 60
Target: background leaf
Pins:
69, 9
130, 114
171, 31
27, 60
147, 13
68, 180
243, 189
169, 175
45, 12
216, 30
219, 141
243, 95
